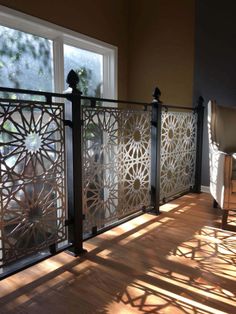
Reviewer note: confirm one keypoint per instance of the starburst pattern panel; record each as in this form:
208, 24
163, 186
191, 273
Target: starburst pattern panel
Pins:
32, 182
116, 162
178, 152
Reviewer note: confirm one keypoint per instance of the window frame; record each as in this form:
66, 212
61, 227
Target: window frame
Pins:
60, 36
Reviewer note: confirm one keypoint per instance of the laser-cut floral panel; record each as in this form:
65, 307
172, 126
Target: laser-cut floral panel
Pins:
116, 159
178, 152
32, 178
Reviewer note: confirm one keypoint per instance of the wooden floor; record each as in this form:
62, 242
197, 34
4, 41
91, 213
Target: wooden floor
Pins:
178, 262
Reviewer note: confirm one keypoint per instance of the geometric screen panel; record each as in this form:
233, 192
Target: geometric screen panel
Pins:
178, 152
116, 164
32, 178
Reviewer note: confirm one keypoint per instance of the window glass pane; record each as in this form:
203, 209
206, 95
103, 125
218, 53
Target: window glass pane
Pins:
89, 66
26, 60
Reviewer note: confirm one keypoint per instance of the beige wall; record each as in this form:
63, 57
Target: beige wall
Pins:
161, 49
155, 40
105, 20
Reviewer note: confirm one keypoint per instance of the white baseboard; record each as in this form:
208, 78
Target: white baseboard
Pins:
205, 189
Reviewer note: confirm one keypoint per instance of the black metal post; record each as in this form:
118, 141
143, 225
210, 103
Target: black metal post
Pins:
156, 150
75, 189
200, 120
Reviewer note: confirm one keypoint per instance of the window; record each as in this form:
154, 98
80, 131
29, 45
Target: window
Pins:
38, 55
89, 66
26, 60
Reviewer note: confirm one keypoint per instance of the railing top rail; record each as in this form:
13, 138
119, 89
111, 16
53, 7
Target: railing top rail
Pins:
92, 99
177, 107
31, 92
65, 95
117, 101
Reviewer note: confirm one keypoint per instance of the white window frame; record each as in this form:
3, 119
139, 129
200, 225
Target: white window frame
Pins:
60, 36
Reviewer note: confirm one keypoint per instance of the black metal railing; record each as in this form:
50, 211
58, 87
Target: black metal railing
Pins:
74, 166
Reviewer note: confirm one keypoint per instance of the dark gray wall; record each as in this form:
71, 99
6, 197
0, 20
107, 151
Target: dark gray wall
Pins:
215, 59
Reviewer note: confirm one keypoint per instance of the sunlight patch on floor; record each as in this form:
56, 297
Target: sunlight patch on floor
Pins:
194, 285
178, 299
168, 207
140, 232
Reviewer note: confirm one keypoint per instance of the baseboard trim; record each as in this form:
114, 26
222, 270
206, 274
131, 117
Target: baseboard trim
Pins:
205, 189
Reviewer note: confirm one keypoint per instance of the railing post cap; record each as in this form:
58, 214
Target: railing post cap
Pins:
72, 80
156, 95
200, 101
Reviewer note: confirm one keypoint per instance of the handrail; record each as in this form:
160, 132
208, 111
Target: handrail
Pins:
31, 92
116, 100
177, 107
65, 95
92, 99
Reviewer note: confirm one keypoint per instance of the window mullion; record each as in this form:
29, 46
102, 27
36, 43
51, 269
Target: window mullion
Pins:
58, 60
109, 75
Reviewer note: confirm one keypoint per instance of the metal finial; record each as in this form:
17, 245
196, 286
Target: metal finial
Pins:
72, 79
200, 101
156, 94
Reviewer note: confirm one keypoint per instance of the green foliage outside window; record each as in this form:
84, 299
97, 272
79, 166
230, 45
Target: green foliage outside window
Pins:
25, 61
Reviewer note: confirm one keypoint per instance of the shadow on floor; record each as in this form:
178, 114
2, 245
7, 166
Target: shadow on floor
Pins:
178, 262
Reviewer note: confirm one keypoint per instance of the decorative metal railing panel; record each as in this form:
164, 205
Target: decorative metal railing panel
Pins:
32, 178
116, 164
178, 152
114, 158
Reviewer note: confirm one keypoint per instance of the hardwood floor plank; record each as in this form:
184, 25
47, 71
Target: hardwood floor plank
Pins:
177, 262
